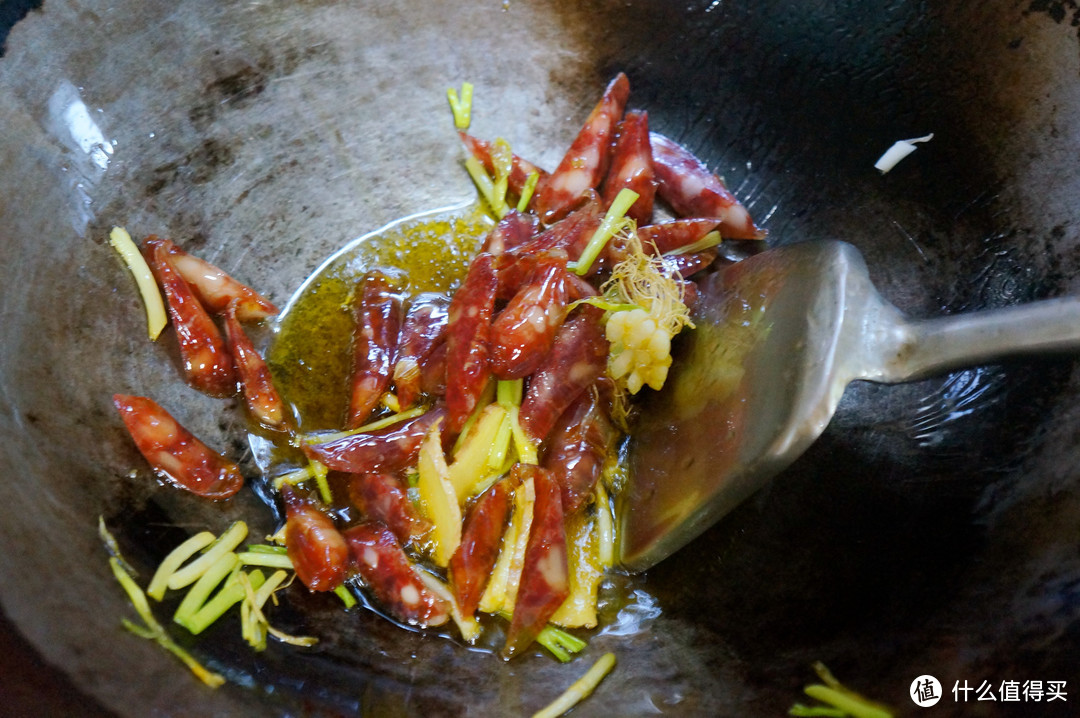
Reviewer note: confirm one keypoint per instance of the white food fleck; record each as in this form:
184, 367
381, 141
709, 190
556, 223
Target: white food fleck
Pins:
371, 558
409, 595
899, 151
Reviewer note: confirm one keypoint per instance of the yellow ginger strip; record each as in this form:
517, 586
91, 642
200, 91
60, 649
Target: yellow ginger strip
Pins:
468, 625
472, 458
155, 307
583, 563
438, 497
581, 688
605, 525
390, 401
501, 591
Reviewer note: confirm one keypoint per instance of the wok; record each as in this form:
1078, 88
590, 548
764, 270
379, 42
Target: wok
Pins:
932, 529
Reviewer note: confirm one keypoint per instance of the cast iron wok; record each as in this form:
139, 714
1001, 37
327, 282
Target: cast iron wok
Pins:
931, 530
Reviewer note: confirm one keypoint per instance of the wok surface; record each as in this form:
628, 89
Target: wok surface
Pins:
931, 530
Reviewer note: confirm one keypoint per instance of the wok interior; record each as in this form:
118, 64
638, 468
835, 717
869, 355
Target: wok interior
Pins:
931, 529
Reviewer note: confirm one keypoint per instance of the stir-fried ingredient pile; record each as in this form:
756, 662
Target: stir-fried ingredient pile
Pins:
482, 427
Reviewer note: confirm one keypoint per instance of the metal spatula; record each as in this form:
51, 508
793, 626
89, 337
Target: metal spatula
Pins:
779, 336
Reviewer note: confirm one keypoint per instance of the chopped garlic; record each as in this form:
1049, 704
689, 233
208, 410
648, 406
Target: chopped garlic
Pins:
640, 350
899, 151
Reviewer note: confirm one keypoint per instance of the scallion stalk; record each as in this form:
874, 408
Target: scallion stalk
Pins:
366, 428
805, 711
523, 445
345, 595
198, 594
708, 241
527, 191
113, 548
853, 705
580, 689
230, 594
229, 540
265, 548
508, 392
486, 186
155, 631
320, 471
500, 447
606, 305
267, 560
561, 644
607, 229
176, 558
461, 105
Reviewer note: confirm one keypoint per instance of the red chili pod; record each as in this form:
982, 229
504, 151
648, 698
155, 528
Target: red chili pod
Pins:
378, 319
174, 453
424, 327
631, 167
667, 236
578, 447
520, 169
433, 370
481, 536
524, 331
576, 359
391, 449
577, 288
584, 164
545, 580
468, 365
684, 182
690, 264
387, 572
381, 497
690, 293
574, 232
208, 366
570, 234
513, 230
262, 398
216, 290
314, 545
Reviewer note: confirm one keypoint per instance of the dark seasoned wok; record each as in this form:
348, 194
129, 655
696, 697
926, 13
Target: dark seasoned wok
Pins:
933, 529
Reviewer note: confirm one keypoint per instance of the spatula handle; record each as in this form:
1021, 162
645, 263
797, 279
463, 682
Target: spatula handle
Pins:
927, 347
